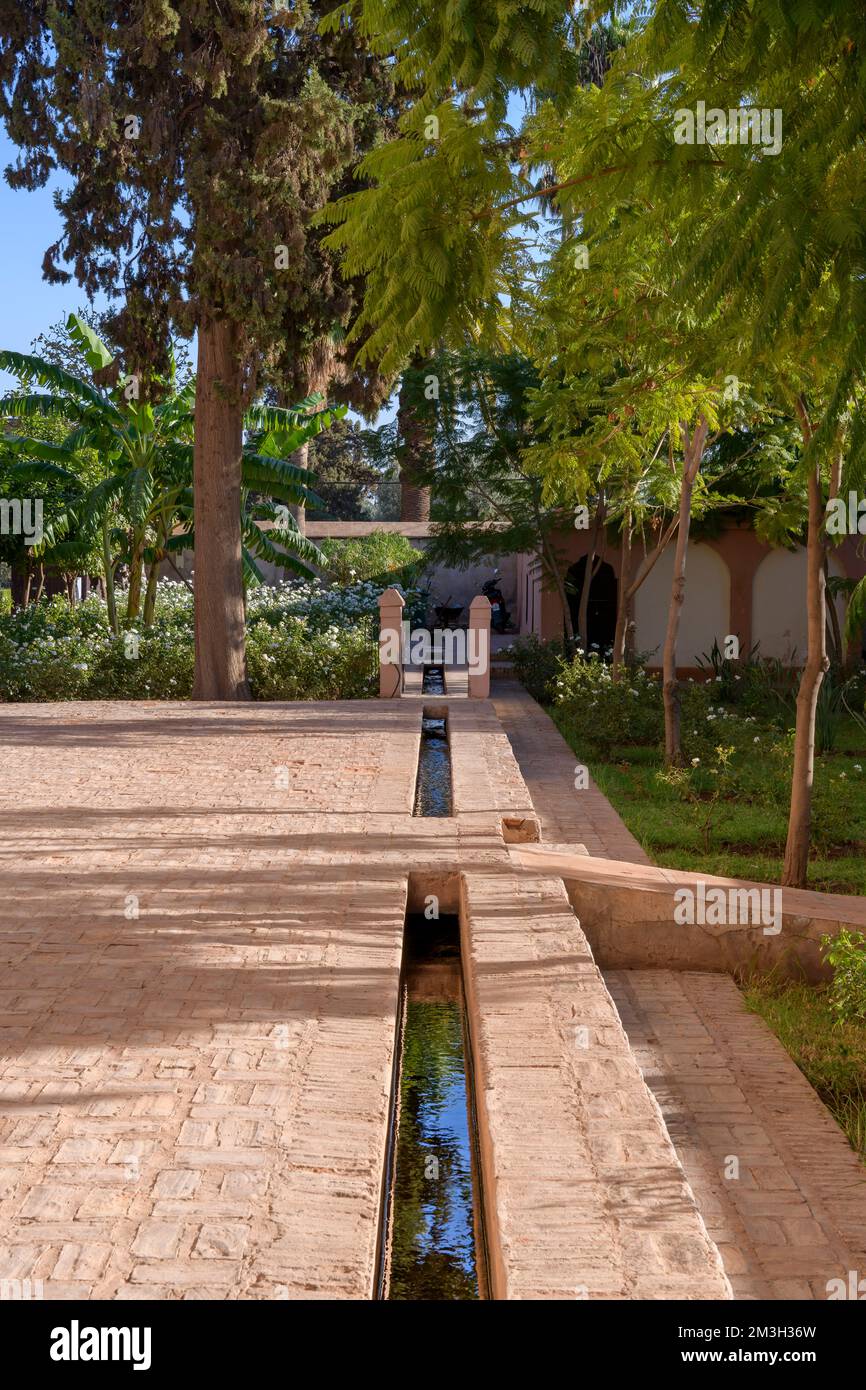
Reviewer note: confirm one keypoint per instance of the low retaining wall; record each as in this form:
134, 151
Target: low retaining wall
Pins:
637, 916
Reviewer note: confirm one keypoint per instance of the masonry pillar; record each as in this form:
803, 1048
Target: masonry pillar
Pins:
479, 648
391, 605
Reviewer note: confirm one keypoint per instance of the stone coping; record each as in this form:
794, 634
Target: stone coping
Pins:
627, 911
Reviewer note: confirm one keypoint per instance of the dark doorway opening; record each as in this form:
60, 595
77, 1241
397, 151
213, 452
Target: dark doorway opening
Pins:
601, 615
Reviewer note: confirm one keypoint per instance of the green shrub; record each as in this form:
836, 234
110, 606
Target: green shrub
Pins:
601, 713
538, 666
304, 642
846, 953
378, 556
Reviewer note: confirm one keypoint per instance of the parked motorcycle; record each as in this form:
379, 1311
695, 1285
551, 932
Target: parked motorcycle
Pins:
500, 618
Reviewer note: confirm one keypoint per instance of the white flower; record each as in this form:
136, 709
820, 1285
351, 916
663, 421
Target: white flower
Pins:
756, 739
695, 762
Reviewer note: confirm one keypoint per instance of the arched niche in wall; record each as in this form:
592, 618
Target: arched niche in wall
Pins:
706, 610
779, 605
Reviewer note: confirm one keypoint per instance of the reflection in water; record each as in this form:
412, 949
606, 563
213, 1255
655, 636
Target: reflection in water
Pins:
433, 1253
433, 788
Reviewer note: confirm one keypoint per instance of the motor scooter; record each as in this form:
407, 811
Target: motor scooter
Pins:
500, 618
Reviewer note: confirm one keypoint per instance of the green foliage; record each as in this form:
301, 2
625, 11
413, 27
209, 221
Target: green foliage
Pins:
538, 666
705, 788
846, 953
599, 713
830, 1053
305, 643
384, 557
198, 139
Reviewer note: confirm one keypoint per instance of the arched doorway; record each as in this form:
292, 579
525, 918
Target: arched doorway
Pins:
601, 613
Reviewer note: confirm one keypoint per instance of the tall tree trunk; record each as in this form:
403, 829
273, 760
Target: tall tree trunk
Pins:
800, 817
41, 585
622, 599
415, 444
220, 657
693, 450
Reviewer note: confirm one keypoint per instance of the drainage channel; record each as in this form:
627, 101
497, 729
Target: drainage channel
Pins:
433, 680
432, 1245
433, 783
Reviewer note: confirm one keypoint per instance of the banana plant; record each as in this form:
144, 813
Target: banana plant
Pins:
142, 506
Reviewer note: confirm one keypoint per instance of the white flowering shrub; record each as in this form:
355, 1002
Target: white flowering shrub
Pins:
305, 641
600, 712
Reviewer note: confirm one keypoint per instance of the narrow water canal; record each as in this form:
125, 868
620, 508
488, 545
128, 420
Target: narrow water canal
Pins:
433, 786
433, 680
434, 1247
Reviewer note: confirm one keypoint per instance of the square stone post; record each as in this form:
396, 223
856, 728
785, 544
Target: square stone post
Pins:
478, 652
391, 605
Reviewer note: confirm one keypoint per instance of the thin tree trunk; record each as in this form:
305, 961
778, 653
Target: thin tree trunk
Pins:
41, 584
220, 658
800, 816
834, 631
589, 574
25, 598
108, 577
300, 459
415, 446
150, 594
623, 599
133, 600
19, 583
693, 449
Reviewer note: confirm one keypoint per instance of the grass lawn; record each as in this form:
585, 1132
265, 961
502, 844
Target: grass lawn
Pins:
746, 834
831, 1055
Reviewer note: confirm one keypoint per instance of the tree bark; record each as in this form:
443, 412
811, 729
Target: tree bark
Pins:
800, 816
220, 656
150, 594
300, 459
19, 581
593, 564
133, 599
693, 450
415, 446
108, 578
623, 600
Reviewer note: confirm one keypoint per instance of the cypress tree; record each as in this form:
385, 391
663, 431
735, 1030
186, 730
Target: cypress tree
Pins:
197, 140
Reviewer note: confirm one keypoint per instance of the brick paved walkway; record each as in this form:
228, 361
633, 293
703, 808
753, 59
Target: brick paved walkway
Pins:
791, 1214
567, 815
796, 1216
202, 913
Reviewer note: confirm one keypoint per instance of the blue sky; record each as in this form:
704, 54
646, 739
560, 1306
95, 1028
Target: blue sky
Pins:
28, 226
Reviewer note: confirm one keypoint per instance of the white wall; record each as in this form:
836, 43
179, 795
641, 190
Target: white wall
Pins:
779, 605
706, 610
